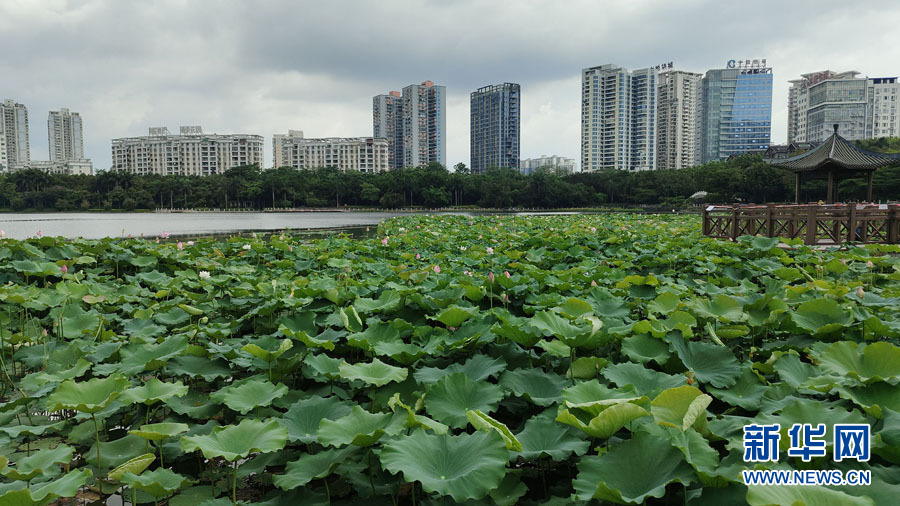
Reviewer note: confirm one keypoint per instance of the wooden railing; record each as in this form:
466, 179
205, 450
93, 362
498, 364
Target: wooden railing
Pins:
815, 224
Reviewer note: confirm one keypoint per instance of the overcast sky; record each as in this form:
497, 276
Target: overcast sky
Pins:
269, 66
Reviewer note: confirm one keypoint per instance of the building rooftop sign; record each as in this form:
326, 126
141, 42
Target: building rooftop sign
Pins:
757, 66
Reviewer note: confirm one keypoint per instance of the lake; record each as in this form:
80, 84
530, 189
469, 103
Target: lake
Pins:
98, 225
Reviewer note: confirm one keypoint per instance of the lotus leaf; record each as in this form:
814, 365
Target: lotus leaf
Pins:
535, 385
158, 483
821, 317
682, 407
467, 466
310, 467
237, 441
245, 397
452, 396
802, 495
160, 431
88, 396
360, 428
484, 422
375, 372
542, 436
135, 466
866, 363
42, 463
153, 391
67, 486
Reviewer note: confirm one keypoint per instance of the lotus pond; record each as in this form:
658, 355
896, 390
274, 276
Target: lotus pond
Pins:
488, 360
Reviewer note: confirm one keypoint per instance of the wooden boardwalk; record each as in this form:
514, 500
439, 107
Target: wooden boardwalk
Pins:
814, 223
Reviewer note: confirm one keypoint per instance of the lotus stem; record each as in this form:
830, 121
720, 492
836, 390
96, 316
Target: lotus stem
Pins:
234, 484
97, 438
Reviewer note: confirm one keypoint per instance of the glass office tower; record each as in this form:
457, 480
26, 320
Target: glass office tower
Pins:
494, 127
737, 110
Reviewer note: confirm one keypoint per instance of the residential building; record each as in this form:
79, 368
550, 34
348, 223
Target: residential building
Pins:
421, 121
495, 113
618, 118
190, 153
387, 119
65, 135
363, 154
558, 163
14, 128
69, 167
861, 107
678, 120
736, 115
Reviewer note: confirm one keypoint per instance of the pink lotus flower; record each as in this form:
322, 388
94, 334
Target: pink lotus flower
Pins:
291, 249
507, 274
869, 263
190, 243
164, 235
436, 269
384, 241
179, 245
39, 233
2, 233
418, 256
491, 276
64, 268
490, 250
593, 230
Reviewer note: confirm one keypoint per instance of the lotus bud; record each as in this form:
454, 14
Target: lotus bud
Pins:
437, 269
860, 292
869, 264
593, 283
506, 273
64, 268
204, 320
491, 277
418, 256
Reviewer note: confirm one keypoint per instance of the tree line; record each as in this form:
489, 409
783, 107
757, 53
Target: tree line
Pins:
741, 179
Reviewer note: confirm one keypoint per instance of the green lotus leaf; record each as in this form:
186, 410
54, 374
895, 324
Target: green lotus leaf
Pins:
890, 432
765, 310
117, 452
710, 363
697, 451
542, 436
136, 465
576, 307
414, 420
484, 422
535, 385
160, 431
682, 407
793, 371
866, 363
821, 317
454, 315
237, 441
199, 367
746, 393
612, 415
302, 327
646, 381
158, 483
377, 333
149, 357
664, 303
87, 396
67, 486
586, 394
801, 410
245, 397
321, 367
581, 334
452, 396
360, 428
15, 431
643, 348
874, 398
42, 463
350, 318
268, 355
477, 368
308, 467
632, 471
464, 467
3, 462
802, 495
194, 404
153, 391
375, 372
510, 490
387, 302
722, 308
303, 418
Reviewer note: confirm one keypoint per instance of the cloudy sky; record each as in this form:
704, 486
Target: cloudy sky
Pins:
264, 67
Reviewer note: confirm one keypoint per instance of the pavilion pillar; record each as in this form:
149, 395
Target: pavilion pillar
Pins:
796, 187
869, 185
829, 197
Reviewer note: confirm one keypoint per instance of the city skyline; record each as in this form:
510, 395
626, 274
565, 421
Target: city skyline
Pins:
77, 58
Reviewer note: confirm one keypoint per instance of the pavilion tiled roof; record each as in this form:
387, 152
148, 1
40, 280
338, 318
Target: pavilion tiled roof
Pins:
837, 151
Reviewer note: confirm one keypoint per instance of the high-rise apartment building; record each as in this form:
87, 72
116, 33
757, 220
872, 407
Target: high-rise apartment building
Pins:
65, 136
554, 162
191, 153
618, 118
363, 154
14, 129
387, 119
862, 107
495, 113
736, 116
420, 119
678, 120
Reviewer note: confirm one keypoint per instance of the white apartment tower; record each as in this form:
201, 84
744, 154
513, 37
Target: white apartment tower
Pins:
363, 154
862, 107
65, 136
415, 124
14, 129
678, 120
618, 118
191, 153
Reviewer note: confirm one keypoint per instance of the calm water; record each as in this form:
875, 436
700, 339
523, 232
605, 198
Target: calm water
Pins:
98, 225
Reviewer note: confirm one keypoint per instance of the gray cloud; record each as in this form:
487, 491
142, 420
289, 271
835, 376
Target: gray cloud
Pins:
265, 67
